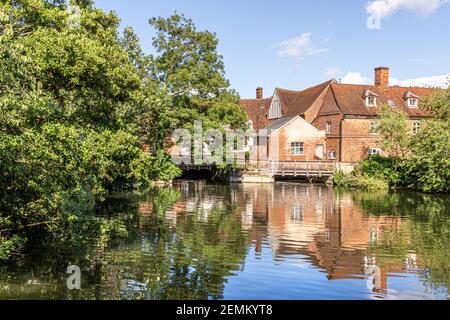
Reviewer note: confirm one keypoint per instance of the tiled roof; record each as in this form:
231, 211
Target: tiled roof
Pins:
298, 102
257, 110
350, 98
338, 98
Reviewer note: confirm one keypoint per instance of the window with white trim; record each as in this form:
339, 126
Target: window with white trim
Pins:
374, 151
328, 128
413, 102
371, 101
297, 148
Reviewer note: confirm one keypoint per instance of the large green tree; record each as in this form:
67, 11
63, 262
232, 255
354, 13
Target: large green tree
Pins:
189, 67
188, 62
71, 104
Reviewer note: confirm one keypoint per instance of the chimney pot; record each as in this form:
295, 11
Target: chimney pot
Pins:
259, 93
382, 77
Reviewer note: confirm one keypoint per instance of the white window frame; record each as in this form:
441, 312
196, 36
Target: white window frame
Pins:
370, 103
413, 102
329, 127
375, 151
298, 148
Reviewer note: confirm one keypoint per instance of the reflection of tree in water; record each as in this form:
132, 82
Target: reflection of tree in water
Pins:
43, 273
189, 259
425, 237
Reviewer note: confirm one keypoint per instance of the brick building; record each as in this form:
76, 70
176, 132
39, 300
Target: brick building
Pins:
349, 114
291, 138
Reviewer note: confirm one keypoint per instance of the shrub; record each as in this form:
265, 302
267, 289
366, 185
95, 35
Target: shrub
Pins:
358, 181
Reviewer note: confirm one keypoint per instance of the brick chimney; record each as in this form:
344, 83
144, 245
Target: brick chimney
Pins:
382, 77
259, 93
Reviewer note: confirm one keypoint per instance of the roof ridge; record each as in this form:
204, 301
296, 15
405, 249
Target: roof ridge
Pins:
328, 82
287, 90
384, 88
249, 99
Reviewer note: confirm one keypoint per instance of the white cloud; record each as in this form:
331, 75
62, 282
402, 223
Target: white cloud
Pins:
333, 72
298, 48
433, 81
440, 81
379, 9
356, 78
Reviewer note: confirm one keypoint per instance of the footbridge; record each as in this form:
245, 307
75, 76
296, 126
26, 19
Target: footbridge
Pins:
295, 169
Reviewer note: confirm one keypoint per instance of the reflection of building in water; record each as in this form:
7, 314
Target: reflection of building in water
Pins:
330, 229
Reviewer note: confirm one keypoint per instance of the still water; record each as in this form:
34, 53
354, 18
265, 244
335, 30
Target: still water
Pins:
197, 240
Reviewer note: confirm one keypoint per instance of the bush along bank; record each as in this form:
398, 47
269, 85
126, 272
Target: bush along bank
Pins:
382, 173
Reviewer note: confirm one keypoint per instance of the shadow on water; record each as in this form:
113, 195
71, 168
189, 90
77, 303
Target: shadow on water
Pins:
197, 240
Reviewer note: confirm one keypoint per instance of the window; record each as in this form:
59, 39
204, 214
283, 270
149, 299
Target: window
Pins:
371, 101
392, 104
416, 126
297, 148
370, 98
374, 127
332, 155
375, 151
328, 127
413, 102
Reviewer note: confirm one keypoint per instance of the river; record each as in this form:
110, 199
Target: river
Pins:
197, 240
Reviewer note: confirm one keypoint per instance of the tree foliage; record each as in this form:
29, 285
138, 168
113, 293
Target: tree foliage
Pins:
394, 134
75, 104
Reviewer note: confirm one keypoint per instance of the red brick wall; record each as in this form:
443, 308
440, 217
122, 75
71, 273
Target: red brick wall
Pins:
333, 138
356, 139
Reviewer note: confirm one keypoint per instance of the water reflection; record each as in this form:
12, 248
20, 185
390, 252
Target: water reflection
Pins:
291, 241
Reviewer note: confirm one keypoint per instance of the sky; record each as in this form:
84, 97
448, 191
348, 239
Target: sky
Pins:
295, 44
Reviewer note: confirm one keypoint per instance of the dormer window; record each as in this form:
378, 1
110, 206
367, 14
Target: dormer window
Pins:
371, 101
371, 98
412, 100
413, 103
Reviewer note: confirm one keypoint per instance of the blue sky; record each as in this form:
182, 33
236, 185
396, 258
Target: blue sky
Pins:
294, 44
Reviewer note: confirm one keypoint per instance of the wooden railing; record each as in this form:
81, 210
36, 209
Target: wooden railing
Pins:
293, 167
272, 167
